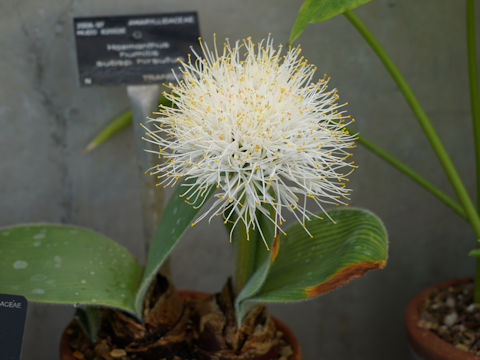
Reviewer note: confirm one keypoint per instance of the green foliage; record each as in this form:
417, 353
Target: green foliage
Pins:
72, 265
475, 253
116, 125
90, 320
176, 218
305, 267
315, 11
67, 264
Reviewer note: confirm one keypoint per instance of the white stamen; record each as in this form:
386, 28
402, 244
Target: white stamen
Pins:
252, 122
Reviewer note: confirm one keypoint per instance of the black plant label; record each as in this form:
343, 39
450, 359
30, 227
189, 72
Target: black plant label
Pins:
133, 49
13, 310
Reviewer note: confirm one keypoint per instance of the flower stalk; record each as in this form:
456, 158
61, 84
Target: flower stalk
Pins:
472, 77
474, 103
245, 255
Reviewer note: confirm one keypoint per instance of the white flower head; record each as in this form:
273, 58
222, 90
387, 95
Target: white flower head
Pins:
250, 121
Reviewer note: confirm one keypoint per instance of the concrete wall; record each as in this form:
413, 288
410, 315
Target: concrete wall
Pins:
46, 119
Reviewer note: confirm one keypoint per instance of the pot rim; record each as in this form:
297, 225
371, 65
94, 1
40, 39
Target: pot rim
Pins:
425, 342
289, 336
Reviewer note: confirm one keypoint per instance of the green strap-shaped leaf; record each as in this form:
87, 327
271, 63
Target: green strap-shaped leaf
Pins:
176, 218
67, 264
306, 267
314, 11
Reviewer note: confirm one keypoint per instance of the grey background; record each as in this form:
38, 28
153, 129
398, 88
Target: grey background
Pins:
46, 119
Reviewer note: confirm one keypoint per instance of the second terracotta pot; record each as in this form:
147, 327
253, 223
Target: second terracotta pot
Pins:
426, 344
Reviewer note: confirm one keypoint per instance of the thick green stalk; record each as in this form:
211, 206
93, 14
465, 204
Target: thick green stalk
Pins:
428, 129
472, 77
245, 255
420, 180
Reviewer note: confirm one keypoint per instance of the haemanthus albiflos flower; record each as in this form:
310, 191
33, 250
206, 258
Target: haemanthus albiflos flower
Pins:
250, 121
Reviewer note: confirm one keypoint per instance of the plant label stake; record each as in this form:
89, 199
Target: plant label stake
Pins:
13, 310
138, 51
143, 101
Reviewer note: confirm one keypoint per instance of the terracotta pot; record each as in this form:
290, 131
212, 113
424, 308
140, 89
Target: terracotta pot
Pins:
426, 344
67, 354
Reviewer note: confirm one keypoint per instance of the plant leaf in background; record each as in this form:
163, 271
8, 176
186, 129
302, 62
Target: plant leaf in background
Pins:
116, 125
67, 264
475, 253
113, 127
314, 11
176, 218
306, 267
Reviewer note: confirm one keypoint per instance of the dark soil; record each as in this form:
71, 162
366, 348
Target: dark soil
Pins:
451, 314
182, 329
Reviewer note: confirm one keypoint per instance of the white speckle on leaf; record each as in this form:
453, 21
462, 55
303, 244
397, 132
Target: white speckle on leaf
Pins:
5, 233
38, 291
175, 210
39, 236
172, 231
178, 221
73, 232
92, 273
77, 293
38, 277
94, 300
20, 264
37, 243
58, 261
83, 281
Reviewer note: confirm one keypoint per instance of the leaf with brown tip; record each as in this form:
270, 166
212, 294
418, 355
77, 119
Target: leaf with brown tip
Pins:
338, 253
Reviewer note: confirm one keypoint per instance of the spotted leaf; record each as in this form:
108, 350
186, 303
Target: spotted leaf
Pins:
67, 264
